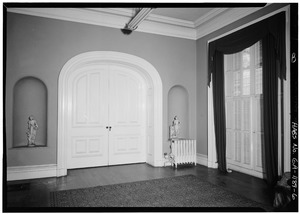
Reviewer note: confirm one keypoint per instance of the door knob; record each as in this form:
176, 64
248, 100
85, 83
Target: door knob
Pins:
109, 128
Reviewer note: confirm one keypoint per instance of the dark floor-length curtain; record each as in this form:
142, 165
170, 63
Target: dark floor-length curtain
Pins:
219, 112
270, 108
272, 32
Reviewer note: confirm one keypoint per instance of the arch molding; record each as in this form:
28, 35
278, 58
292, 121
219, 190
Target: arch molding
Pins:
154, 101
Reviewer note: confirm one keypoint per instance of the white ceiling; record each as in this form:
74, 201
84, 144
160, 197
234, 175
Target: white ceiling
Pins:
189, 23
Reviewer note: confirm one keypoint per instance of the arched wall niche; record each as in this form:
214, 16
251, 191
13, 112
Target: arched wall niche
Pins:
178, 105
29, 99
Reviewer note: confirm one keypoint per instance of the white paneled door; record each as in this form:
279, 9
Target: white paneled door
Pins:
127, 114
106, 120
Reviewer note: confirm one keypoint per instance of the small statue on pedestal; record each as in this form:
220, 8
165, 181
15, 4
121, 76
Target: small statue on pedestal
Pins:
174, 128
32, 129
174, 133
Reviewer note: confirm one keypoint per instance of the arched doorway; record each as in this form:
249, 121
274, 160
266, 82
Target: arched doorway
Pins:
153, 100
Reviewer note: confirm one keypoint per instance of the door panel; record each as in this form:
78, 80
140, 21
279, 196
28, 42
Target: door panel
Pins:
89, 103
127, 117
85, 146
105, 96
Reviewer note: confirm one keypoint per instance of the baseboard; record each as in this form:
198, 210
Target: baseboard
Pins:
202, 159
31, 172
50, 170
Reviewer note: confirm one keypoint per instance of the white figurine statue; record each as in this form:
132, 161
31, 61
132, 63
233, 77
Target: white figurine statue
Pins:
176, 124
174, 128
32, 128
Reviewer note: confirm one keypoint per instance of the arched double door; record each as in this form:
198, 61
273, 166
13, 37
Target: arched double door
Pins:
106, 121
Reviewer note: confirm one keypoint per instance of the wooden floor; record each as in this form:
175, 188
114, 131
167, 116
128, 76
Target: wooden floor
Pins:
36, 192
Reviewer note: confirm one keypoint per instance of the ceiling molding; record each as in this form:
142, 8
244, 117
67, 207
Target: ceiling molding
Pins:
155, 24
227, 17
167, 30
110, 18
172, 21
75, 15
120, 11
152, 17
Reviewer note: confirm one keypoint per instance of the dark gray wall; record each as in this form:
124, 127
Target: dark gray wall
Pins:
40, 47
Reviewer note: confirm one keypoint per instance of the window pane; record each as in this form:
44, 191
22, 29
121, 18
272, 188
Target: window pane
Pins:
258, 54
236, 61
258, 81
238, 147
258, 68
246, 58
236, 84
237, 114
246, 82
229, 110
246, 114
228, 84
247, 149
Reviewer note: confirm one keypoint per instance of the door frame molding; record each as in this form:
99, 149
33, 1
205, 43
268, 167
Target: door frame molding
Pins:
143, 68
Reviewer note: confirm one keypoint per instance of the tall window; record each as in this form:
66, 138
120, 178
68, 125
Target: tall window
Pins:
243, 97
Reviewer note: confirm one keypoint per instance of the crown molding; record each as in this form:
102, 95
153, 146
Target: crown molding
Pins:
75, 15
155, 24
172, 21
152, 17
167, 30
119, 11
226, 17
114, 18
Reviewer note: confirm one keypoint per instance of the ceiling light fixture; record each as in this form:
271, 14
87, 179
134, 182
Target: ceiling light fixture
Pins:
136, 20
